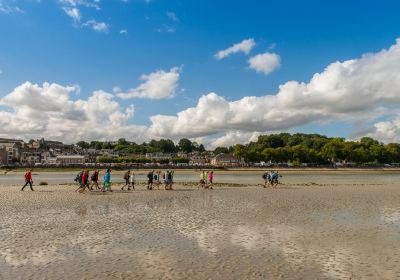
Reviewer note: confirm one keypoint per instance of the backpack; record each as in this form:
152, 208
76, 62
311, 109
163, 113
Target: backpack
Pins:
78, 177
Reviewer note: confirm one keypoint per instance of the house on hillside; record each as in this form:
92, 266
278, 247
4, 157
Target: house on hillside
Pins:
198, 160
225, 160
70, 159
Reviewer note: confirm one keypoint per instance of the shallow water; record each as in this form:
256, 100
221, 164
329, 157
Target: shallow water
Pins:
295, 232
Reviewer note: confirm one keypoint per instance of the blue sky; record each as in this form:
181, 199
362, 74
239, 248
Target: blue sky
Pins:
113, 43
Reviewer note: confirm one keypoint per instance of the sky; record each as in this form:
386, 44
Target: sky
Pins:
217, 72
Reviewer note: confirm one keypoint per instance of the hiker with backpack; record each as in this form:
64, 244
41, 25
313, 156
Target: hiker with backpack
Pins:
78, 179
127, 181
28, 179
275, 179
267, 178
84, 181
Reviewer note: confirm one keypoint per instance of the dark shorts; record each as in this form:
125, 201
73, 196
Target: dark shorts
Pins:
150, 181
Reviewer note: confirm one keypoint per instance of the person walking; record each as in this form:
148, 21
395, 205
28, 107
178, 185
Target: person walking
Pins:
28, 179
132, 180
150, 177
158, 179
84, 181
201, 184
107, 181
127, 182
211, 179
95, 180
205, 178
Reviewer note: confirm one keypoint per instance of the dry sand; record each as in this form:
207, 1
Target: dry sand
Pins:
300, 231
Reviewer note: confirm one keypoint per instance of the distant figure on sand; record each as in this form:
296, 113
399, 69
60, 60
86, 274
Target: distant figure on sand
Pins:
157, 179
28, 179
205, 179
78, 179
210, 179
107, 181
127, 175
274, 179
202, 183
150, 177
267, 179
169, 180
83, 181
132, 180
95, 180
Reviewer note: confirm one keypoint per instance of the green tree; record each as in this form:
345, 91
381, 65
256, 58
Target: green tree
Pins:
185, 145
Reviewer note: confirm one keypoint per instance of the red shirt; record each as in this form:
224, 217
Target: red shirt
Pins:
84, 177
28, 176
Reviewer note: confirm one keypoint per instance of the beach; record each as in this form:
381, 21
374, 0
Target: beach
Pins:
311, 227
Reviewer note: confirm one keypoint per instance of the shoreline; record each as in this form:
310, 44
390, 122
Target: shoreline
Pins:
313, 170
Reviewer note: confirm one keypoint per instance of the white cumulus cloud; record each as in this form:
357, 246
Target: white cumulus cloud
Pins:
265, 63
351, 90
245, 47
49, 111
156, 85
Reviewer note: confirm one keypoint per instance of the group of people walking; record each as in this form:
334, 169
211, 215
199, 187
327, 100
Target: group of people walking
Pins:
154, 179
82, 178
90, 181
271, 179
206, 179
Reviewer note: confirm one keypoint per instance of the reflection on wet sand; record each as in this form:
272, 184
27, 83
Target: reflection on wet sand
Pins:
244, 233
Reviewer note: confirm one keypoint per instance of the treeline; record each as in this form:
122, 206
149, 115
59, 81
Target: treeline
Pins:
314, 148
277, 148
163, 146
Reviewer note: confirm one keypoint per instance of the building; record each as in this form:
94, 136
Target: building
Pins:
13, 152
157, 156
225, 160
70, 160
30, 157
13, 148
198, 160
3, 155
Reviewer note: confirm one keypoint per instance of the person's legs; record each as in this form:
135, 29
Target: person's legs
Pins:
30, 185
26, 183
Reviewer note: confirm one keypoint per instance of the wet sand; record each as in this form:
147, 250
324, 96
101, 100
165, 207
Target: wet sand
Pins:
303, 230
